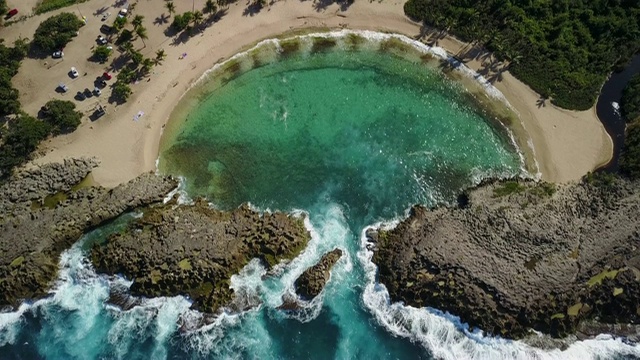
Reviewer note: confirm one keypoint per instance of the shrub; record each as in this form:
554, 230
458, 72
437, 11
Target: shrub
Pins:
10, 59
3, 7
49, 5
101, 52
61, 116
56, 32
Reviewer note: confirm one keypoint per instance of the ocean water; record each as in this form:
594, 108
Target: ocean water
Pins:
348, 134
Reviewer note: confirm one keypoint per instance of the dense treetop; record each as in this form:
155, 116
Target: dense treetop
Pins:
630, 109
630, 103
10, 58
563, 49
57, 31
61, 115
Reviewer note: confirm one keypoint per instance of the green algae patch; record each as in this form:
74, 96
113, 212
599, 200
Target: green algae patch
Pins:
508, 188
557, 316
321, 44
17, 261
185, 264
289, 47
617, 291
155, 275
574, 310
598, 279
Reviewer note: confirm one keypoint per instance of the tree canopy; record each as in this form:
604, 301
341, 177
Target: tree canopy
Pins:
61, 115
181, 21
23, 137
10, 58
565, 48
57, 31
630, 103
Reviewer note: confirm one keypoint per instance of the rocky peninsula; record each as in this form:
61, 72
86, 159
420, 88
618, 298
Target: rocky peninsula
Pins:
45, 210
516, 255
193, 250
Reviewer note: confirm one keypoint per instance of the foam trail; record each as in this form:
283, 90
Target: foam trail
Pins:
447, 338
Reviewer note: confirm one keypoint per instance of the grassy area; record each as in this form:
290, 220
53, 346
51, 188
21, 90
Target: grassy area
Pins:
50, 5
508, 188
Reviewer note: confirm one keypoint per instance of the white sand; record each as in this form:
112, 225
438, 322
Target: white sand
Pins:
567, 144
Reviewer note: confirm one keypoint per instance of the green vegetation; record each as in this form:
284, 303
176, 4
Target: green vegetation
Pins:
56, 32
574, 310
181, 21
101, 52
22, 138
3, 7
508, 188
630, 102
10, 58
630, 156
121, 91
630, 109
563, 49
61, 115
49, 5
597, 279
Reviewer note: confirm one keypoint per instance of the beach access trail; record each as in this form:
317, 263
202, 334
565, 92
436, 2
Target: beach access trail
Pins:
567, 144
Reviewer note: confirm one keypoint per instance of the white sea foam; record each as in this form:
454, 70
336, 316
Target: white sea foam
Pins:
446, 337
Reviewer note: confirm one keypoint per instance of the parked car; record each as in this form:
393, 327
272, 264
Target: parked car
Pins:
105, 29
74, 72
87, 92
62, 88
102, 40
11, 13
106, 76
97, 91
105, 17
101, 83
57, 54
122, 13
80, 96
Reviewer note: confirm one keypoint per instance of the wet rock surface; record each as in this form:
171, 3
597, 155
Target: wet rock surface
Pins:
193, 250
517, 256
41, 215
313, 280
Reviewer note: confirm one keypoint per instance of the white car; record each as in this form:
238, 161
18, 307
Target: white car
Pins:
97, 91
74, 72
57, 54
122, 13
102, 40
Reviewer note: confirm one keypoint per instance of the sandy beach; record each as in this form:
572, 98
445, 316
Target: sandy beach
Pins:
567, 144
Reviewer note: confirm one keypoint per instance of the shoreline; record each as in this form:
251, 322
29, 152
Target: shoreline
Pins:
567, 144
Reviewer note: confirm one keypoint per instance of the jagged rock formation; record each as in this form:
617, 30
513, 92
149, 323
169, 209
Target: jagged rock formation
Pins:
41, 215
193, 250
313, 280
518, 256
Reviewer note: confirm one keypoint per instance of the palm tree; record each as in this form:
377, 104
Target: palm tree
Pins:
160, 55
170, 7
125, 75
137, 21
210, 7
127, 47
141, 31
197, 18
147, 64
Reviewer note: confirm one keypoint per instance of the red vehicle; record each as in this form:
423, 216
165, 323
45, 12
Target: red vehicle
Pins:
106, 76
11, 13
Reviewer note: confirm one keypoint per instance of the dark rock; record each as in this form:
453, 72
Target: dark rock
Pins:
34, 236
521, 256
193, 250
313, 280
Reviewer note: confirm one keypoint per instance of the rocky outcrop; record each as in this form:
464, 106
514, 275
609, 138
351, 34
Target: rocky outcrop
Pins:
313, 280
41, 215
517, 256
194, 250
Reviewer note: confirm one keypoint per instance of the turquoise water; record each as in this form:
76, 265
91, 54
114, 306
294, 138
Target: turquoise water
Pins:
349, 138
